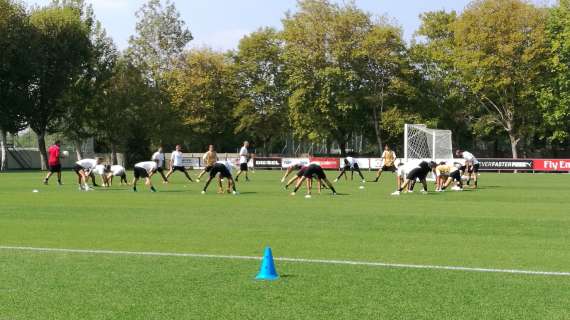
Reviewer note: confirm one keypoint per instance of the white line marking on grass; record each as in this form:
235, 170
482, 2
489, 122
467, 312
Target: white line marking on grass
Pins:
300, 260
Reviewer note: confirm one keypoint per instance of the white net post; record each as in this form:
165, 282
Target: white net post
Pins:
422, 143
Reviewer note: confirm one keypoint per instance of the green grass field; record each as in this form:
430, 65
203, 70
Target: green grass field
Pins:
512, 222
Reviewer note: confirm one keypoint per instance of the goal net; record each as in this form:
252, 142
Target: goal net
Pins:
422, 143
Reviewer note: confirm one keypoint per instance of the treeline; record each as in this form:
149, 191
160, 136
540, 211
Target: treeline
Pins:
497, 75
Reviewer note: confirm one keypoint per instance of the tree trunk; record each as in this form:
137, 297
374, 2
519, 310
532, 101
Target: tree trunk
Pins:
78, 152
114, 159
3, 153
514, 142
377, 127
342, 146
42, 148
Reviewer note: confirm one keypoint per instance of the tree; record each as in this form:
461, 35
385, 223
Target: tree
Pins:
202, 90
385, 71
321, 39
123, 116
15, 71
61, 47
160, 40
159, 43
262, 108
499, 54
555, 97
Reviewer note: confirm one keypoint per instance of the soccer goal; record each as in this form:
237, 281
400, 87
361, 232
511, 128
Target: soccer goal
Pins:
422, 143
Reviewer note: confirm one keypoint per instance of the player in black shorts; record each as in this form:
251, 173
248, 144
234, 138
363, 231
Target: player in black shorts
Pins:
314, 171
419, 173
351, 165
297, 176
222, 169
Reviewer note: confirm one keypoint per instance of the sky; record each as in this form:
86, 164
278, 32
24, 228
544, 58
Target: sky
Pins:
220, 24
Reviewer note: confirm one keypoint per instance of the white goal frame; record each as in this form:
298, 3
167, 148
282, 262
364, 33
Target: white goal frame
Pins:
423, 143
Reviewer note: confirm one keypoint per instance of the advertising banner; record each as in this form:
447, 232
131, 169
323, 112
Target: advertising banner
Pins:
268, 163
327, 163
376, 163
551, 165
363, 163
189, 162
287, 162
505, 164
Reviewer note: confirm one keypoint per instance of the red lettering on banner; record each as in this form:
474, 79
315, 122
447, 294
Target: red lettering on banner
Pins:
551, 165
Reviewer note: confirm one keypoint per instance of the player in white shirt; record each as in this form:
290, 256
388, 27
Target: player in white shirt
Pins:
177, 163
244, 157
158, 156
145, 170
223, 170
116, 171
471, 166
83, 170
350, 164
100, 170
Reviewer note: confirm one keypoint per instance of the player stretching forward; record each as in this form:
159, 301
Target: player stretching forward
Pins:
313, 170
83, 170
471, 166
54, 162
295, 165
402, 173
446, 174
388, 159
158, 156
117, 171
222, 169
176, 163
350, 164
145, 170
210, 158
419, 173
244, 157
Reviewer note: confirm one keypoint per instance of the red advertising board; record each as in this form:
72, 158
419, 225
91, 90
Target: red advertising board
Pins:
551, 164
327, 163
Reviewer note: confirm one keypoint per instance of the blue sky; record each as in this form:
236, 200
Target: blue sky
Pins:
220, 24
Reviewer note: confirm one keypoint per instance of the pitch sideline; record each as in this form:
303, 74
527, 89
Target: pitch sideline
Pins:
299, 260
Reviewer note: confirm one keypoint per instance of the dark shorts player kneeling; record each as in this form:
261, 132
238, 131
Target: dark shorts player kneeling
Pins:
223, 170
145, 170
418, 173
313, 171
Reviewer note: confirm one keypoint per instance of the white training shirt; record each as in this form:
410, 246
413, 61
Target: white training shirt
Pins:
468, 156
158, 156
351, 161
117, 170
99, 169
243, 155
406, 168
149, 166
176, 158
87, 164
229, 165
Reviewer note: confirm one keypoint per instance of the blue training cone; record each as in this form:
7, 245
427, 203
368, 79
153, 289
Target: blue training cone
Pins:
267, 270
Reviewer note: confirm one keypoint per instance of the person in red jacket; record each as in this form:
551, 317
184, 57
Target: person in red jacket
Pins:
54, 153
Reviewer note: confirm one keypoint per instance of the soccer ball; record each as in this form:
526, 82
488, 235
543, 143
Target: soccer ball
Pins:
65, 154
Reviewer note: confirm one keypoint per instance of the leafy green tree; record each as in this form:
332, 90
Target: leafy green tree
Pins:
15, 71
60, 48
161, 36
262, 109
321, 39
499, 53
555, 97
203, 90
385, 73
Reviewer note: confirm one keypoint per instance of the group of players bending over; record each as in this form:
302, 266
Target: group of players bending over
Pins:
407, 174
